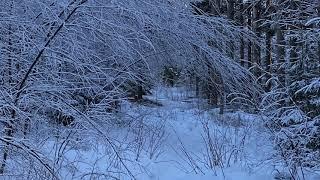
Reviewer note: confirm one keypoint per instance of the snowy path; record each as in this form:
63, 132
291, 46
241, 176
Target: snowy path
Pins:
184, 152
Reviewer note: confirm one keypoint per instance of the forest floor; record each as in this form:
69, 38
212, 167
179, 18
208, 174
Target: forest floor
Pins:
173, 136
200, 143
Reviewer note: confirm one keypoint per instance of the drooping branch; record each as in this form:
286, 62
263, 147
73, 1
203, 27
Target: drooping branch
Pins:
40, 53
31, 152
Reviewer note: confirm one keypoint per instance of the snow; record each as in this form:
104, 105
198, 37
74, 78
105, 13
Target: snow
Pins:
53, 50
315, 101
165, 138
313, 86
313, 21
184, 129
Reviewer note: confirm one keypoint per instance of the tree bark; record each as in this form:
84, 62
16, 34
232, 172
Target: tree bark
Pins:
280, 54
249, 48
242, 42
140, 92
256, 58
318, 9
231, 4
268, 59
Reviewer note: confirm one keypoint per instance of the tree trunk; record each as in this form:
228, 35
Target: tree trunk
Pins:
218, 6
222, 97
294, 57
268, 60
318, 9
249, 24
242, 46
140, 92
242, 42
280, 54
256, 58
197, 86
231, 4
8, 136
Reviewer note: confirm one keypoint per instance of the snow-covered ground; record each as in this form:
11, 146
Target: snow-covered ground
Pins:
172, 136
240, 147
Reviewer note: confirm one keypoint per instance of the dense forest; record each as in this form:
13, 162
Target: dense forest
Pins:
108, 89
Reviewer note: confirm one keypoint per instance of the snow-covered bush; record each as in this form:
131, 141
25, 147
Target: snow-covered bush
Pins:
294, 120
